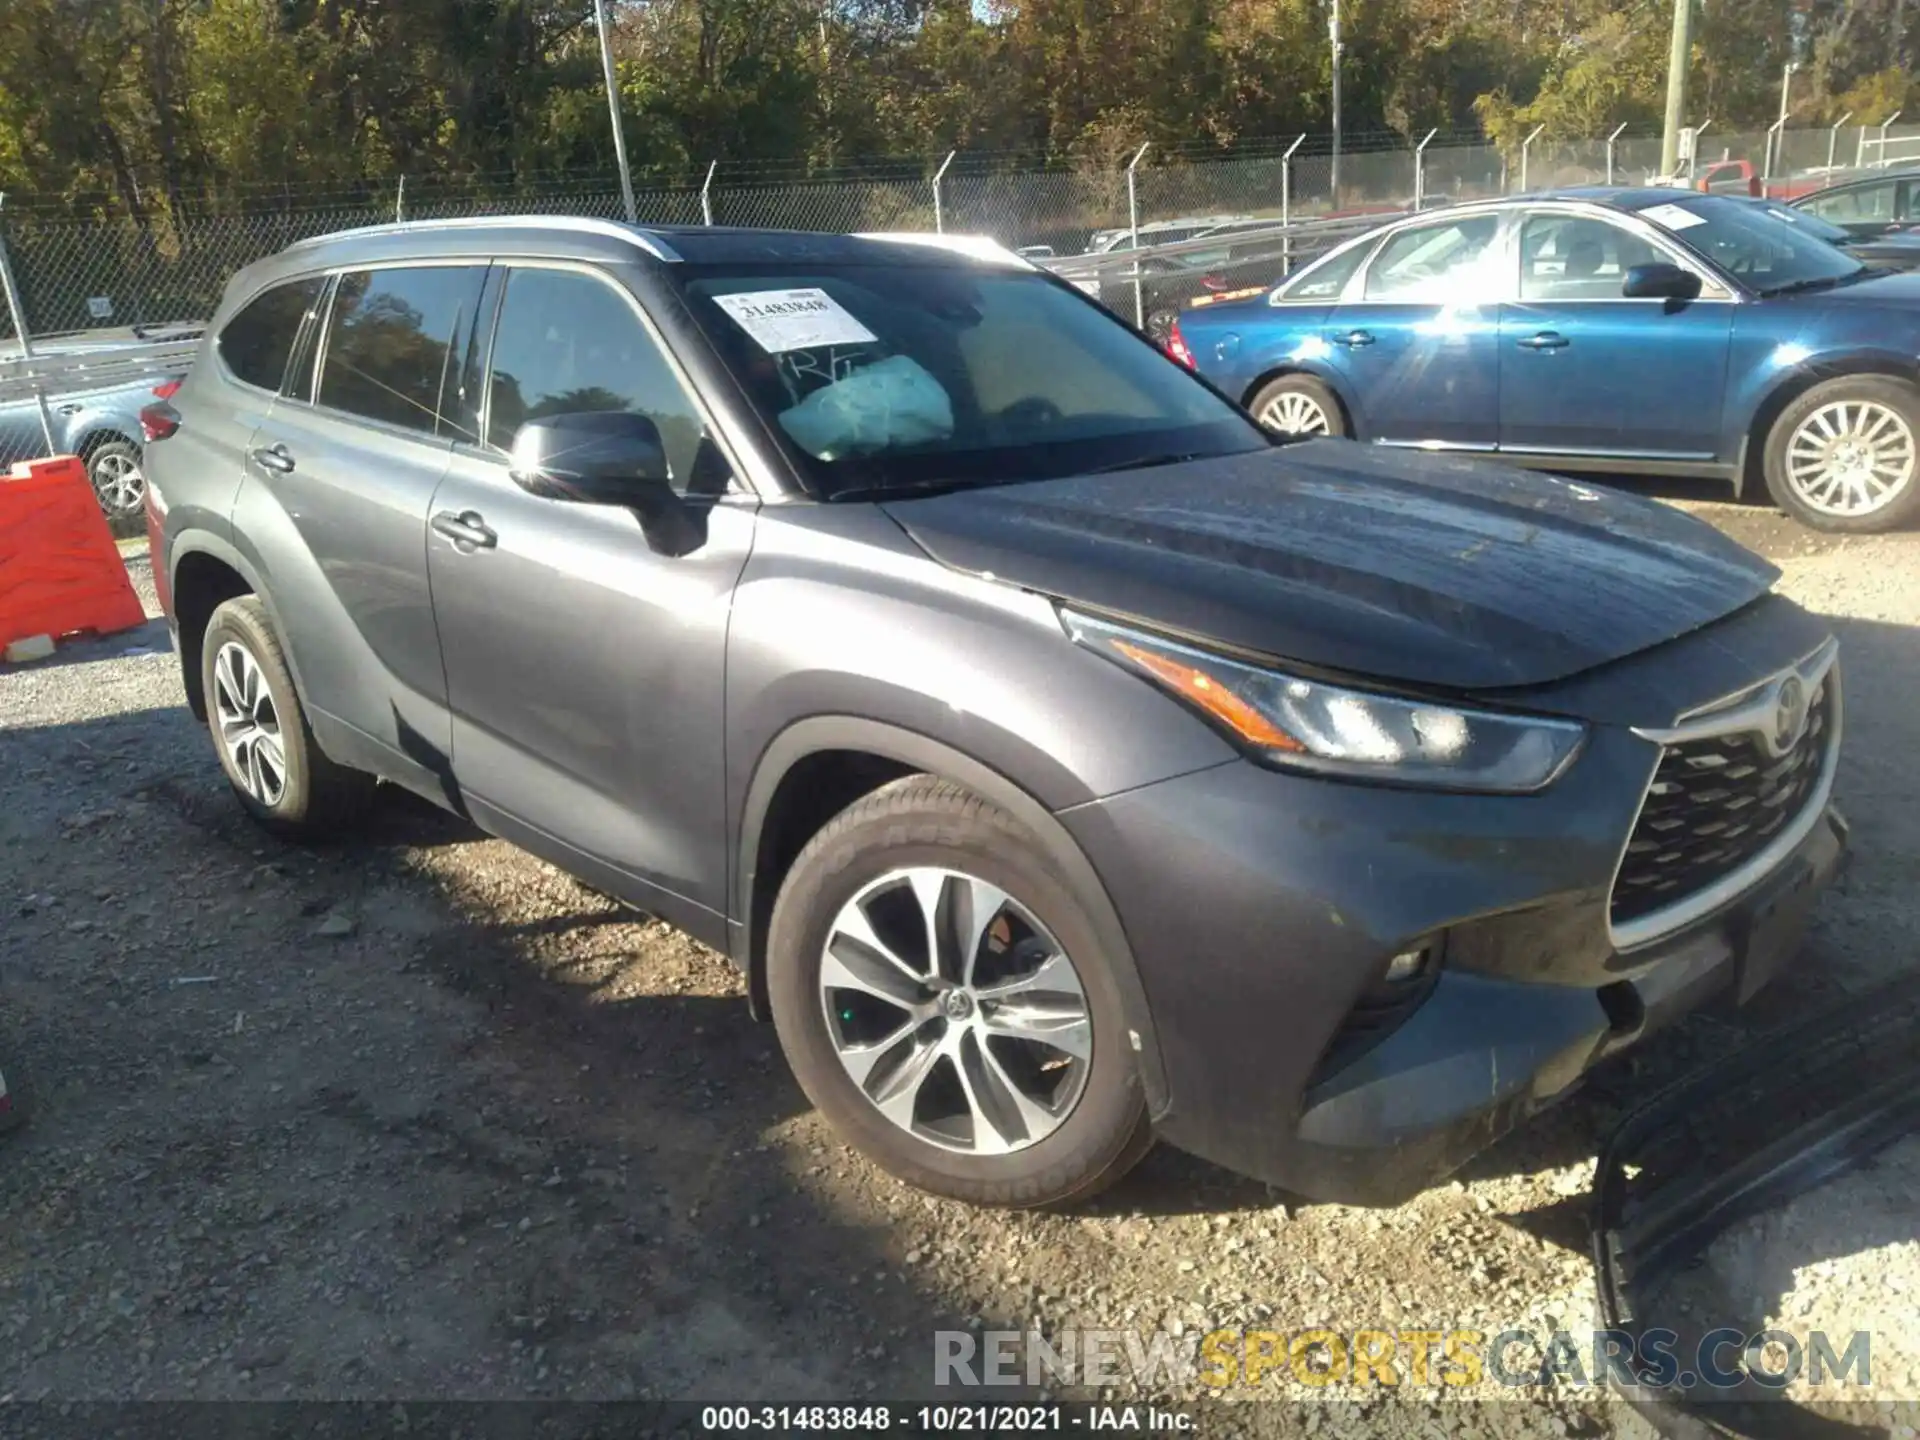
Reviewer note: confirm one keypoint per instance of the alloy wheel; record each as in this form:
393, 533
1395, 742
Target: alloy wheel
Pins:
1293, 413
1851, 457
119, 482
955, 1012
249, 724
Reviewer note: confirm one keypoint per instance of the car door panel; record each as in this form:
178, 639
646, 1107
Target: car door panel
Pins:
345, 493
1584, 371
585, 668
1418, 353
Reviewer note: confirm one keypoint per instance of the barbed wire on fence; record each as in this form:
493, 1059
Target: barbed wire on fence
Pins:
75, 273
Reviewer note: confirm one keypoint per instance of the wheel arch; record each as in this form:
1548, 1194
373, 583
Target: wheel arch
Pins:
1795, 383
203, 572
99, 433
1294, 367
817, 766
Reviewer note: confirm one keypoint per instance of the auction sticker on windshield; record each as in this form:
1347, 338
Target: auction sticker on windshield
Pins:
781, 320
1672, 217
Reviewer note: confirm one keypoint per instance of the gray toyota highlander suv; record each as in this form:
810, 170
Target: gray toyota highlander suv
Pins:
1064, 761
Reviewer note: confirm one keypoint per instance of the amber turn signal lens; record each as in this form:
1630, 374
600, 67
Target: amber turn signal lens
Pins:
1211, 696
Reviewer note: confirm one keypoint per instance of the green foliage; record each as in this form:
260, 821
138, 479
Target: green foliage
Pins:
165, 108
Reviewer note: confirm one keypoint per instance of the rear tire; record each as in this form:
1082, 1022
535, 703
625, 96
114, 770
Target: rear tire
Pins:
278, 772
1845, 456
1298, 406
973, 1111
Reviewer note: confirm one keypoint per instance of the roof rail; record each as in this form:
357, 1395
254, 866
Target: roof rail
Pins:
582, 224
976, 247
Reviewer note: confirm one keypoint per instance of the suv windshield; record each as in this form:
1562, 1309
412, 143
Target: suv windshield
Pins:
916, 376
1745, 240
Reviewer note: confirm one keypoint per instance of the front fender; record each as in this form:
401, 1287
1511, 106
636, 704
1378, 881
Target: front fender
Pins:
846, 637
1776, 369
820, 734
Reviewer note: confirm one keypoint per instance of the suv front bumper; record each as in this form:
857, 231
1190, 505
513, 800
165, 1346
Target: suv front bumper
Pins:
1290, 896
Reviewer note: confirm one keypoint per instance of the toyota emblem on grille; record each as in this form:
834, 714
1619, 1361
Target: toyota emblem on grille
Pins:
1789, 714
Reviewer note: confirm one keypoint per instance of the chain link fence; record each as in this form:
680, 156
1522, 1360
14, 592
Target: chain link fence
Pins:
80, 274
112, 281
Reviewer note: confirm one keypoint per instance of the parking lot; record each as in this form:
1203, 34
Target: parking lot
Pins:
422, 1117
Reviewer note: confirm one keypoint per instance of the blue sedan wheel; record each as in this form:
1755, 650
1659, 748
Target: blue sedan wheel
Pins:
1845, 456
1298, 405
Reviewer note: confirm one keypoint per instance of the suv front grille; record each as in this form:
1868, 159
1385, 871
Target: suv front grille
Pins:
1715, 803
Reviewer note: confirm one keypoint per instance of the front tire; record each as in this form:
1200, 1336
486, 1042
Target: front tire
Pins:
279, 774
1845, 456
1298, 406
943, 1000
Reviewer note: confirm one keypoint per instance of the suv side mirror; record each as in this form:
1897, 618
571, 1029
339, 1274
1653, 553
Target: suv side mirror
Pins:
1660, 281
607, 457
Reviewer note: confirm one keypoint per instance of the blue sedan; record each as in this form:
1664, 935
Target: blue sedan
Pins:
1647, 331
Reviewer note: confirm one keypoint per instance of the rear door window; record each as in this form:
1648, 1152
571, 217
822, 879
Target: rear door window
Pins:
1328, 281
256, 343
395, 340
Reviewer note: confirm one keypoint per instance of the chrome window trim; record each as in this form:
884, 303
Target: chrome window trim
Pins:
1747, 710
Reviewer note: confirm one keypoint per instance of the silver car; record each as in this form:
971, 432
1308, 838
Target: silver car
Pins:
97, 419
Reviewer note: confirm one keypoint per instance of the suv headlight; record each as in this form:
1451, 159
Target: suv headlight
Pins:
1303, 724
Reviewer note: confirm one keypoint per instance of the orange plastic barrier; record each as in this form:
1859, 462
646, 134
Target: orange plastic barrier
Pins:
59, 570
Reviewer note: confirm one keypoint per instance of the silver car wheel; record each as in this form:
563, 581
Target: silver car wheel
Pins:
1294, 413
1851, 457
119, 482
249, 725
956, 1012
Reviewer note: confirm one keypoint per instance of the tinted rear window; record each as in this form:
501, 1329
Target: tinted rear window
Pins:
256, 343
389, 339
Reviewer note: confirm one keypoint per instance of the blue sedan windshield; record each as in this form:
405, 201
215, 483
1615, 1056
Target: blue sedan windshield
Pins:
1769, 254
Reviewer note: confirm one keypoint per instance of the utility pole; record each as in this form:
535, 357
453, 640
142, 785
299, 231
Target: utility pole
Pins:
613, 110
1678, 62
1333, 33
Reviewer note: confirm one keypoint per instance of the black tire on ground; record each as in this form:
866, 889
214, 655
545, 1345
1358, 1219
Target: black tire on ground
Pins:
1902, 506
923, 821
315, 796
1274, 393
107, 469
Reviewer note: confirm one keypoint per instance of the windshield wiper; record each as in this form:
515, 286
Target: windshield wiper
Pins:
1811, 282
1144, 462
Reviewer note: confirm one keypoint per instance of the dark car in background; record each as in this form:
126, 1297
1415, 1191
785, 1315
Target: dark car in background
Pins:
1888, 250
1870, 207
1655, 331
1064, 759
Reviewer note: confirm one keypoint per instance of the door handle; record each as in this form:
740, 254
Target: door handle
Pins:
1545, 340
467, 530
276, 458
1354, 338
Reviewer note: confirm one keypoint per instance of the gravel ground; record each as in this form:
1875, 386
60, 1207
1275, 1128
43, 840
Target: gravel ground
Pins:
1841, 1259
421, 1117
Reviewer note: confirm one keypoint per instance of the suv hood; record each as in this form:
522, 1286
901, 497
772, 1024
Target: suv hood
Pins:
1407, 566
